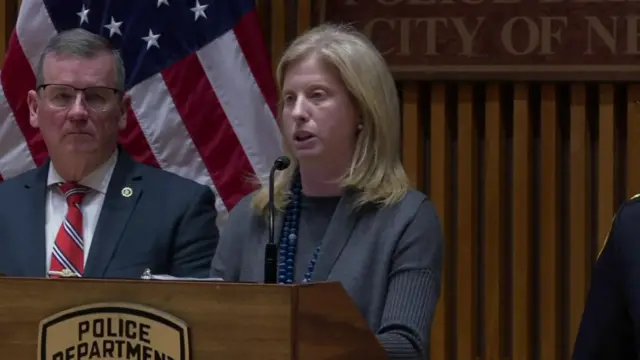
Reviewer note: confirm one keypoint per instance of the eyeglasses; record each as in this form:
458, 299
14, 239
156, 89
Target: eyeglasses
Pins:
61, 96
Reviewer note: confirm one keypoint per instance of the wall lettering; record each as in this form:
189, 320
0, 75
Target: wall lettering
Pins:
500, 39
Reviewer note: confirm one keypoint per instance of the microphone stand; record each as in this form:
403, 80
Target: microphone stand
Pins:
271, 250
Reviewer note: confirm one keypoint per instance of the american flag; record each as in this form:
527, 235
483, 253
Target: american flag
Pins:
203, 97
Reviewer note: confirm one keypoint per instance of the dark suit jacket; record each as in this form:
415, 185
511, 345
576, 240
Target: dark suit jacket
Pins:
168, 225
612, 312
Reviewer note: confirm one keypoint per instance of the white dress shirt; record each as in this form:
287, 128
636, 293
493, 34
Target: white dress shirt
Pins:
56, 204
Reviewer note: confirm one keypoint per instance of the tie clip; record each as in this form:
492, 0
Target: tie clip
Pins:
66, 273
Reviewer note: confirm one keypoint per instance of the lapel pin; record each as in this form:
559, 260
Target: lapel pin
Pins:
127, 192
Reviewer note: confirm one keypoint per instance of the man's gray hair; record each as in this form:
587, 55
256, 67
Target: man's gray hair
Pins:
82, 43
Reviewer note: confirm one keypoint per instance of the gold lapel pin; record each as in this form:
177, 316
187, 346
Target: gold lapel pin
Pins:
127, 192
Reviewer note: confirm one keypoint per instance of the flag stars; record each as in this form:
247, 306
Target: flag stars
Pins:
151, 39
114, 27
84, 15
163, 2
198, 10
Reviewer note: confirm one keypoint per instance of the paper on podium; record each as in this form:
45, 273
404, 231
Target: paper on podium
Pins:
147, 275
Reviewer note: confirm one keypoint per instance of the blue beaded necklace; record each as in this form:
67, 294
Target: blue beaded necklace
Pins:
289, 239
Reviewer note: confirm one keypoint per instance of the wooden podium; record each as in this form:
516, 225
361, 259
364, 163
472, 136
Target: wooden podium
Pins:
61, 319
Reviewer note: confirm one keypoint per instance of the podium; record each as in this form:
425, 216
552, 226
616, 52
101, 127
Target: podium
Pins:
81, 319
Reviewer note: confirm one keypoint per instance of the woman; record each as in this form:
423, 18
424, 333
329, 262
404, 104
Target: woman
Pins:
345, 208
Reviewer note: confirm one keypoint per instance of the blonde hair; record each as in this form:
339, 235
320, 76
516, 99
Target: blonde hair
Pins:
376, 170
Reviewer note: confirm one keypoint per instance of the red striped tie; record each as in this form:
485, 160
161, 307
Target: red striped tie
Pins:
68, 250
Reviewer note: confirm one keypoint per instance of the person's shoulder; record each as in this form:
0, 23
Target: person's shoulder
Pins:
629, 210
244, 206
414, 206
413, 223
414, 196
242, 214
414, 203
624, 224
10, 185
632, 203
164, 180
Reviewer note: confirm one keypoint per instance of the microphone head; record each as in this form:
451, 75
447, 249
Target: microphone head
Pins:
282, 163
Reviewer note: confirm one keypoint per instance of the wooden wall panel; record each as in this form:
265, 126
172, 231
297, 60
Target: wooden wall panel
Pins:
303, 15
441, 181
8, 16
606, 162
569, 153
522, 236
493, 268
277, 38
579, 206
467, 222
413, 133
549, 241
633, 145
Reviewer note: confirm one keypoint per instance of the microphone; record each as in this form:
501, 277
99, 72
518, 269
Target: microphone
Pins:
271, 250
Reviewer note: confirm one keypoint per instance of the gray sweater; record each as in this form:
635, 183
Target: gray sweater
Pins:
389, 261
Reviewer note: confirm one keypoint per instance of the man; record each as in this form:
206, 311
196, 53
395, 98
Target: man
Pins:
611, 318
91, 210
